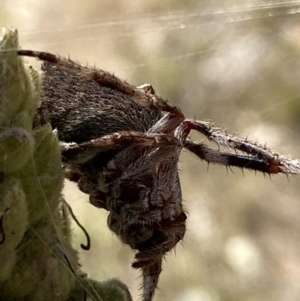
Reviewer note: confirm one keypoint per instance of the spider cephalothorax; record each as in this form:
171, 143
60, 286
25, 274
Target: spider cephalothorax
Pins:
123, 151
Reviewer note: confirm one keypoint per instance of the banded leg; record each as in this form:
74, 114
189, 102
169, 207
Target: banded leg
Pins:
227, 159
258, 157
84, 152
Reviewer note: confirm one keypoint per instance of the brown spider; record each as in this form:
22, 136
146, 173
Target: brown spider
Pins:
123, 152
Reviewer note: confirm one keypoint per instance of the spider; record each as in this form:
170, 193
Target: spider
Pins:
122, 143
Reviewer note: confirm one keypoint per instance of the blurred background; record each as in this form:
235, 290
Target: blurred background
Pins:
236, 63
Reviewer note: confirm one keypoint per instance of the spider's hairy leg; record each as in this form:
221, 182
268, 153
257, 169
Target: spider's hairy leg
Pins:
227, 159
101, 77
150, 279
144, 94
83, 152
258, 157
167, 124
220, 137
163, 105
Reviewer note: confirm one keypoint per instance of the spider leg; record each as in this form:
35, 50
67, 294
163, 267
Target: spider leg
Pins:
84, 152
228, 159
144, 94
259, 157
220, 137
150, 279
102, 77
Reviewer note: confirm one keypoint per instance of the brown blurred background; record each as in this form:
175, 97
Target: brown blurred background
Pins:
236, 63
